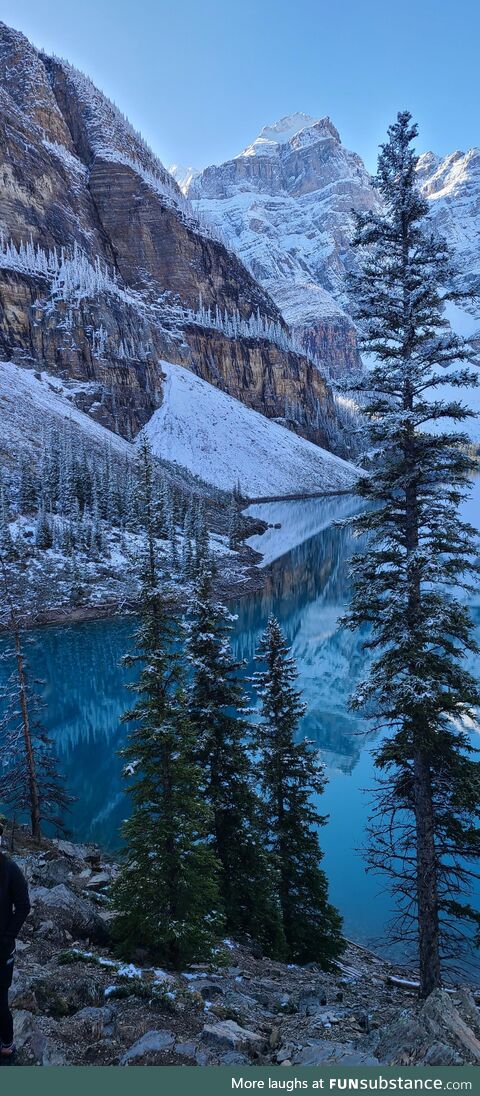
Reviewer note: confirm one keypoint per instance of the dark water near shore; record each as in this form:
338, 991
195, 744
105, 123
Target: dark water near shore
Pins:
85, 692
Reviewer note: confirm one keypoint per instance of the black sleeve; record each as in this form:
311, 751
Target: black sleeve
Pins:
18, 889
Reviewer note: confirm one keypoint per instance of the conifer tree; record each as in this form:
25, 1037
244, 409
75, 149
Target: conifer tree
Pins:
290, 776
147, 502
167, 892
43, 531
7, 546
27, 491
234, 522
425, 832
217, 705
30, 781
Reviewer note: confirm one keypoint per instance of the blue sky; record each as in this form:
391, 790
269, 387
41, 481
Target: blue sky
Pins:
200, 77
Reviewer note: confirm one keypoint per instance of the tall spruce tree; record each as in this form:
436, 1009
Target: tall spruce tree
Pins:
425, 831
290, 776
167, 893
217, 705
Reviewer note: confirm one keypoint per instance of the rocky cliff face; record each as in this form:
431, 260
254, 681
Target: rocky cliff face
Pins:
113, 256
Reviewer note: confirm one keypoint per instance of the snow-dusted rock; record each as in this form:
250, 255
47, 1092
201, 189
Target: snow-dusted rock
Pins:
72, 913
227, 1033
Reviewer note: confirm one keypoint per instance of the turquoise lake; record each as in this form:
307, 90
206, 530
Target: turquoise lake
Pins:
84, 690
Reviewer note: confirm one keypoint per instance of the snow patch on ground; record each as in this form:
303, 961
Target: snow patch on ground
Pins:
226, 443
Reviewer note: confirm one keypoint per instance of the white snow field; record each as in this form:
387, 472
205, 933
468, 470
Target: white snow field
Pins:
225, 443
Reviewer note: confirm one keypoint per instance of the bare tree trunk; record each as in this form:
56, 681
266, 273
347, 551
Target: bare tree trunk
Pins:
427, 883
425, 852
34, 795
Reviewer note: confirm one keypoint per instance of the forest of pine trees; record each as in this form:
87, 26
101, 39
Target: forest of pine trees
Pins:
75, 508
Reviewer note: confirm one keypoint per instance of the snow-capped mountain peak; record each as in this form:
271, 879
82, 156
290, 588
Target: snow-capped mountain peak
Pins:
442, 177
299, 130
451, 185
183, 175
284, 204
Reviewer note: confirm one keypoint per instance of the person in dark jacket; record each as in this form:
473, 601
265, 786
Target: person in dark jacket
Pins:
14, 909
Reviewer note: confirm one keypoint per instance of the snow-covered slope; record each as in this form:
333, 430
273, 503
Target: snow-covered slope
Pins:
29, 401
226, 443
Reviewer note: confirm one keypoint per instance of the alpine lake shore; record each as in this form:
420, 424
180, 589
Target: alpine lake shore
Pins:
76, 1003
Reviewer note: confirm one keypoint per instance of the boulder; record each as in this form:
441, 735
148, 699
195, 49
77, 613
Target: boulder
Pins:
437, 1030
152, 1041
93, 1023
322, 1051
69, 911
229, 1034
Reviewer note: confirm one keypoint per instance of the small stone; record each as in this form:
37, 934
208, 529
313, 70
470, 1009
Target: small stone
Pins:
99, 880
283, 1055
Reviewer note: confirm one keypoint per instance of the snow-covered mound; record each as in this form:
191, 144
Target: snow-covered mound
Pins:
29, 401
225, 443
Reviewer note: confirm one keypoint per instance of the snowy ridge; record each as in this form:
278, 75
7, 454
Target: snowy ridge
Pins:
71, 276
257, 326
183, 175
280, 133
226, 444
112, 137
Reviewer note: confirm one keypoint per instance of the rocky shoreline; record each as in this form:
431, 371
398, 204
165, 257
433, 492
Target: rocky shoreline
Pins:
76, 1003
